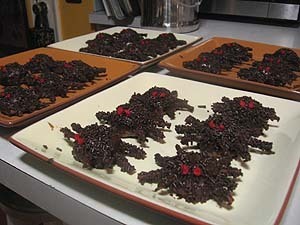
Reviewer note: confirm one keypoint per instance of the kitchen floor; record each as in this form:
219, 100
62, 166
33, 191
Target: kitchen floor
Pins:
2, 218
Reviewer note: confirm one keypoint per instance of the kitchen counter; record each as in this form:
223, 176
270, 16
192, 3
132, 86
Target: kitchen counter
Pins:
79, 203
285, 36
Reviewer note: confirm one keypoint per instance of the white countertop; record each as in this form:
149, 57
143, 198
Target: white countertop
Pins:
284, 36
79, 203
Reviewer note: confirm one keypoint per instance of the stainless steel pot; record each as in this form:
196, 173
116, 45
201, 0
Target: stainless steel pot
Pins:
180, 16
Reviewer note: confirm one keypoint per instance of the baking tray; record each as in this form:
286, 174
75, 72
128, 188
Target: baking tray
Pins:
74, 44
116, 70
174, 64
261, 195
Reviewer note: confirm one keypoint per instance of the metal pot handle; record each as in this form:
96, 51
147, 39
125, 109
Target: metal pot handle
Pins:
187, 5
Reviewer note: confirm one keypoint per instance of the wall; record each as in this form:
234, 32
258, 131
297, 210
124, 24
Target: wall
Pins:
28, 4
74, 18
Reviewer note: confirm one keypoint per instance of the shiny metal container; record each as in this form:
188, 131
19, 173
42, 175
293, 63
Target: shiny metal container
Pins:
179, 16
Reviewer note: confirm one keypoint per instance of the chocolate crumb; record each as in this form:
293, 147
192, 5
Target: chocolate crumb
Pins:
51, 125
194, 177
100, 147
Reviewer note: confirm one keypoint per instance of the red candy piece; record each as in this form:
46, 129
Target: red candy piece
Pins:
251, 105
154, 93
67, 65
267, 69
221, 127
127, 112
120, 110
243, 103
78, 139
162, 94
211, 124
197, 171
184, 169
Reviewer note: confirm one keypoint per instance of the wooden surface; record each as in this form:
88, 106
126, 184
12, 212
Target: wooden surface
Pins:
174, 63
116, 70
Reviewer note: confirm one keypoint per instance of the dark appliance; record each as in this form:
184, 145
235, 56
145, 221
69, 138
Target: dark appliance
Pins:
14, 31
280, 12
